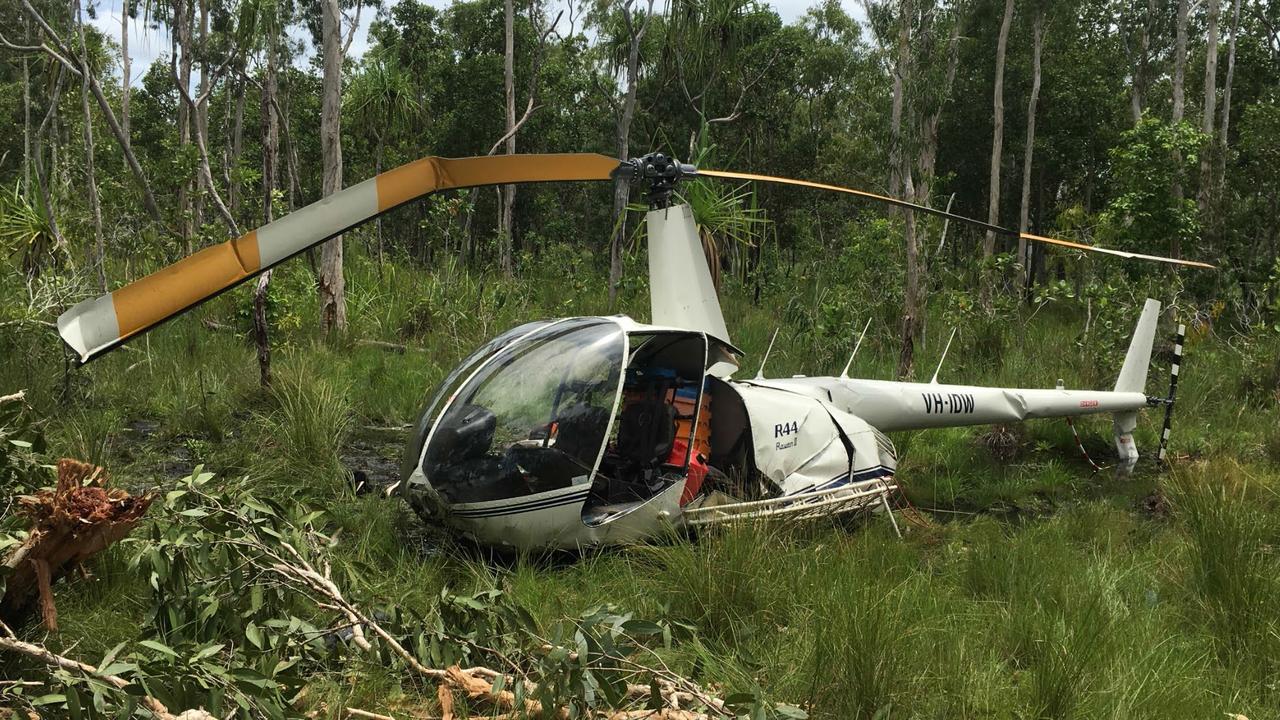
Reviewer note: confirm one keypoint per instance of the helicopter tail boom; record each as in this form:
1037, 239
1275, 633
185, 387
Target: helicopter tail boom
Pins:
892, 406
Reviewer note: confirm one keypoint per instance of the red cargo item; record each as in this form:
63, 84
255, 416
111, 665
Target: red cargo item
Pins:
697, 470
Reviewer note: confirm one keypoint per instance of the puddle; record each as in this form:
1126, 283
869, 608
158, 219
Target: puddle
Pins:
373, 457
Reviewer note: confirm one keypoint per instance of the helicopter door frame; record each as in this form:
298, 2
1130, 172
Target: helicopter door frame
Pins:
617, 404
681, 471
702, 379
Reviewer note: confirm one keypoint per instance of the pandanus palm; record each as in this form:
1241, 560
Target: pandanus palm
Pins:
729, 218
382, 100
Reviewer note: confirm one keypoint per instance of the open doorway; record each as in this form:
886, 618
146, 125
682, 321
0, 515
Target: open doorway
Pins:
661, 428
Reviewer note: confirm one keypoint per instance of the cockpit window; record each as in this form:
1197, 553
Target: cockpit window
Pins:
531, 420
413, 452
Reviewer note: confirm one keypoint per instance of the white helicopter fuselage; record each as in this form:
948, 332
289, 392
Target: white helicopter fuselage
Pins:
800, 446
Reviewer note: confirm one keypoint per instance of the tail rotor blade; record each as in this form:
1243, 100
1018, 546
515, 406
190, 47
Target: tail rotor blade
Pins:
945, 214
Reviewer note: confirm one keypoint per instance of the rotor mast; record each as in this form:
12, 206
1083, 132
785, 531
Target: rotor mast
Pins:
681, 292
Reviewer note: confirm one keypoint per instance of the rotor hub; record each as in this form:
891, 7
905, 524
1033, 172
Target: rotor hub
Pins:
660, 172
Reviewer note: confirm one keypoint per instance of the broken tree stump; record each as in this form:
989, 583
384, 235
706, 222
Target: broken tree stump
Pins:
69, 524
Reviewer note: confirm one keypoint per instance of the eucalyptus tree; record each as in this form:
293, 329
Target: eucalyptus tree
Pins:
1179, 104
261, 29
1038, 10
997, 142
126, 65
332, 285
57, 50
1224, 123
927, 89
622, 30
507, 193
181, 19
1209, 109
1144, 29
91, 176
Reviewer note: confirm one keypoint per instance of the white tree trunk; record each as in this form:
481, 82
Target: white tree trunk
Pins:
626, 114
1180, 64
182, 20
1179, 105
911, 300
1210, 107
333, 301
1037, 43
202, 113
1224, 125
125, 69
1141, 72
507, 194
901, 66
997, 135
237, 149
270, 177
95, 207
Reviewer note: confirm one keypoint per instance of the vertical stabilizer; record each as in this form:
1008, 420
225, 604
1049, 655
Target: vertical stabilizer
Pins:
1133, 375
1133, 378
681, 293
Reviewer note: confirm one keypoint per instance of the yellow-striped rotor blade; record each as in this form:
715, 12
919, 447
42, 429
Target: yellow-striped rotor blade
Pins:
951, 216
95, 326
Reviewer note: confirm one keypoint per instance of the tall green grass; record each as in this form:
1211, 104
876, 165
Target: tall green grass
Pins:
303, 431
1043, 591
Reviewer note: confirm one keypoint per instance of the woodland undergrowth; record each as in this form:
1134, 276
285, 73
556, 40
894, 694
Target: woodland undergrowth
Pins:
262, 585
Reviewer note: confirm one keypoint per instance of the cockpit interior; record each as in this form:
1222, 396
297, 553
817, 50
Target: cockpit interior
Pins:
582, 402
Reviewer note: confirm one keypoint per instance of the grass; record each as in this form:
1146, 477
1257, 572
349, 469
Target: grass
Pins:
1024, 588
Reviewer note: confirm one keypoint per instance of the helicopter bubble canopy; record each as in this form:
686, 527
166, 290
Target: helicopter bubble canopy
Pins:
533, 416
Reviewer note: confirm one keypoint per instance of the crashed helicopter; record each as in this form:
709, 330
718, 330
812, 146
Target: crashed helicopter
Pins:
602, 430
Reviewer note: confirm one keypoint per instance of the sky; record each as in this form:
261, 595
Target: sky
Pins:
147, 44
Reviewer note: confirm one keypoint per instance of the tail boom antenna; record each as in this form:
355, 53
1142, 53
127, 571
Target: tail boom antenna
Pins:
760, 372
943, 359
845, 373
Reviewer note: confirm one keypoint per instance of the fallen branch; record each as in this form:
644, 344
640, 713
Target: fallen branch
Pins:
358, 713
48, 657
300, 565
478, 682
389, 346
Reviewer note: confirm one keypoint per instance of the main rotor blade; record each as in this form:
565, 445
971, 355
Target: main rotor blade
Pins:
95, 326
1117, 253
944, 214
